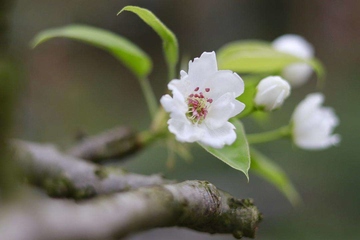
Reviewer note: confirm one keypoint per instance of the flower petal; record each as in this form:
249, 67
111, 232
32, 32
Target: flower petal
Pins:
202, 68
238, 108
218, 137
167, 102
180, 85
313, 142
307, 106
177, 103
225, 81
183, 129
220, 111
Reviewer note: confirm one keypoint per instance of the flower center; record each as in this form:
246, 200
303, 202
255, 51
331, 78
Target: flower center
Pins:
198, 106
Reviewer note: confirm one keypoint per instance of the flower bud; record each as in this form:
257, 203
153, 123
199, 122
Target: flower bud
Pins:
271, 93
298, 73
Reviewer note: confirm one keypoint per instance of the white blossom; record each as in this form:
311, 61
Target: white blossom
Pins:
298, 73
203, 101
271, 93
313, 124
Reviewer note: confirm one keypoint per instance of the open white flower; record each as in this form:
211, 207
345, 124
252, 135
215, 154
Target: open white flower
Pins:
313, 124
203, 101
271, 93
298, 73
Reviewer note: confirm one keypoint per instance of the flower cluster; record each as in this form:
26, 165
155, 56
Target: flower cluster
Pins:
203, 101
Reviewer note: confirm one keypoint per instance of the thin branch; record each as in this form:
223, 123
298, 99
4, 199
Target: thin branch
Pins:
62, 175
196, 205
114, 143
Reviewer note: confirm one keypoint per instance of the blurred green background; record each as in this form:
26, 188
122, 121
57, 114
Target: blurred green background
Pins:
69, 87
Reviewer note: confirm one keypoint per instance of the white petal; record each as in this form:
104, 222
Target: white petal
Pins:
239, 107
307, 106
180, 85
295, 45
314, 143
220, 111
183, 129
177, 103
167, 102
183, 74
217, 138
202, 68
224, 81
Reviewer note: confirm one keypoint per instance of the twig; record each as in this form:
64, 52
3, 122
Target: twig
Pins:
114, 143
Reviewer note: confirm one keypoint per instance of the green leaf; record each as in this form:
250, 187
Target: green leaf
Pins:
170, 44
238, 46
236, 155
270, 171
253, 58
121, 48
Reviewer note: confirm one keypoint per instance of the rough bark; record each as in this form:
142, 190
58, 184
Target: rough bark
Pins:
196, 205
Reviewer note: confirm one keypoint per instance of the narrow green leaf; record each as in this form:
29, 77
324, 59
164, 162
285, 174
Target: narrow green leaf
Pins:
271, 172
170, 44
236, 155
121, 48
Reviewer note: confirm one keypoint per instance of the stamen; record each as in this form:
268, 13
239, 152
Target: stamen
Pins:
198, 106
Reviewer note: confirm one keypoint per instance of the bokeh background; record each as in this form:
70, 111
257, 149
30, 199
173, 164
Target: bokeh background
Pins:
69, 87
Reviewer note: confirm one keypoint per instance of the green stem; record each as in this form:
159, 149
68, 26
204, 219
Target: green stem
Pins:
269, 136
171, 71
150, 98
147, 137
247, 112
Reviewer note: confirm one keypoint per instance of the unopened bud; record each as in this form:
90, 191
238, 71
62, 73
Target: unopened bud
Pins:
271, 93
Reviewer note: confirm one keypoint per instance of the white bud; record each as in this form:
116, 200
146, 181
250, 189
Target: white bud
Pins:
271, 92
298, 73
